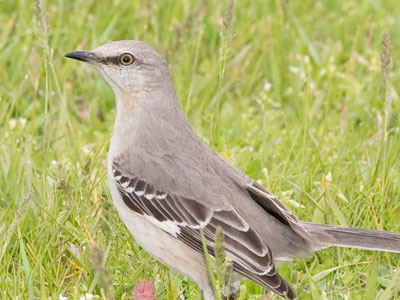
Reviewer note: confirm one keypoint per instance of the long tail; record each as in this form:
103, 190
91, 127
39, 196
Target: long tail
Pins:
340, 236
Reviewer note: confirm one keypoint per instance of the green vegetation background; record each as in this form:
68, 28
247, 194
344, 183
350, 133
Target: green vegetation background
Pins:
289, 91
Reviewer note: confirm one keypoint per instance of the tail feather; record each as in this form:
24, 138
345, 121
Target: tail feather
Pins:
340, 236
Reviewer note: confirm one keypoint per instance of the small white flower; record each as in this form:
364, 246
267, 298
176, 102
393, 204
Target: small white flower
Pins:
85, 149
87, 297
296, 204
75, 250
12, 123
61, 297
294, 70
289, 91
22, 121
329, 177
319, 4
267, 86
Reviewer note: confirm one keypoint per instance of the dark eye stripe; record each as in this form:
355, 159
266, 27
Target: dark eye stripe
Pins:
111, 60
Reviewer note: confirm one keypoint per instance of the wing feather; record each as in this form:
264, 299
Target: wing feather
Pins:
250, 254
276, 208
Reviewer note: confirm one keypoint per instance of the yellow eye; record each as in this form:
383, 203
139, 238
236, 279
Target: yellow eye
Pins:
126, 59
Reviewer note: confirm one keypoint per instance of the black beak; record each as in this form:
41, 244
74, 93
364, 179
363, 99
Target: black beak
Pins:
86, 56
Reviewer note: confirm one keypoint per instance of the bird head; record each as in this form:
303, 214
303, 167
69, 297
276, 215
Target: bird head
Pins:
127, 66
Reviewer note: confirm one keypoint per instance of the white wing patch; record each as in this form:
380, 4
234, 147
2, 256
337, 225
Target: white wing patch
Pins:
171, 227
149, 196
125, 184
161, 197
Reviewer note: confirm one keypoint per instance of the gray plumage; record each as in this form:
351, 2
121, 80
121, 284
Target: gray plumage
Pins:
167, 185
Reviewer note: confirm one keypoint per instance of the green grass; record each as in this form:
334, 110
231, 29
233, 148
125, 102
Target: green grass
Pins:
291, 93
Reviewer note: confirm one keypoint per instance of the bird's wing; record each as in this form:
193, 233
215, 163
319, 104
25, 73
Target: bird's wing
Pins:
276, 208
184, 218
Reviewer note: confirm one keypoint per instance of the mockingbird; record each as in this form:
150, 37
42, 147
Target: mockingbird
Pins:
168, 186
